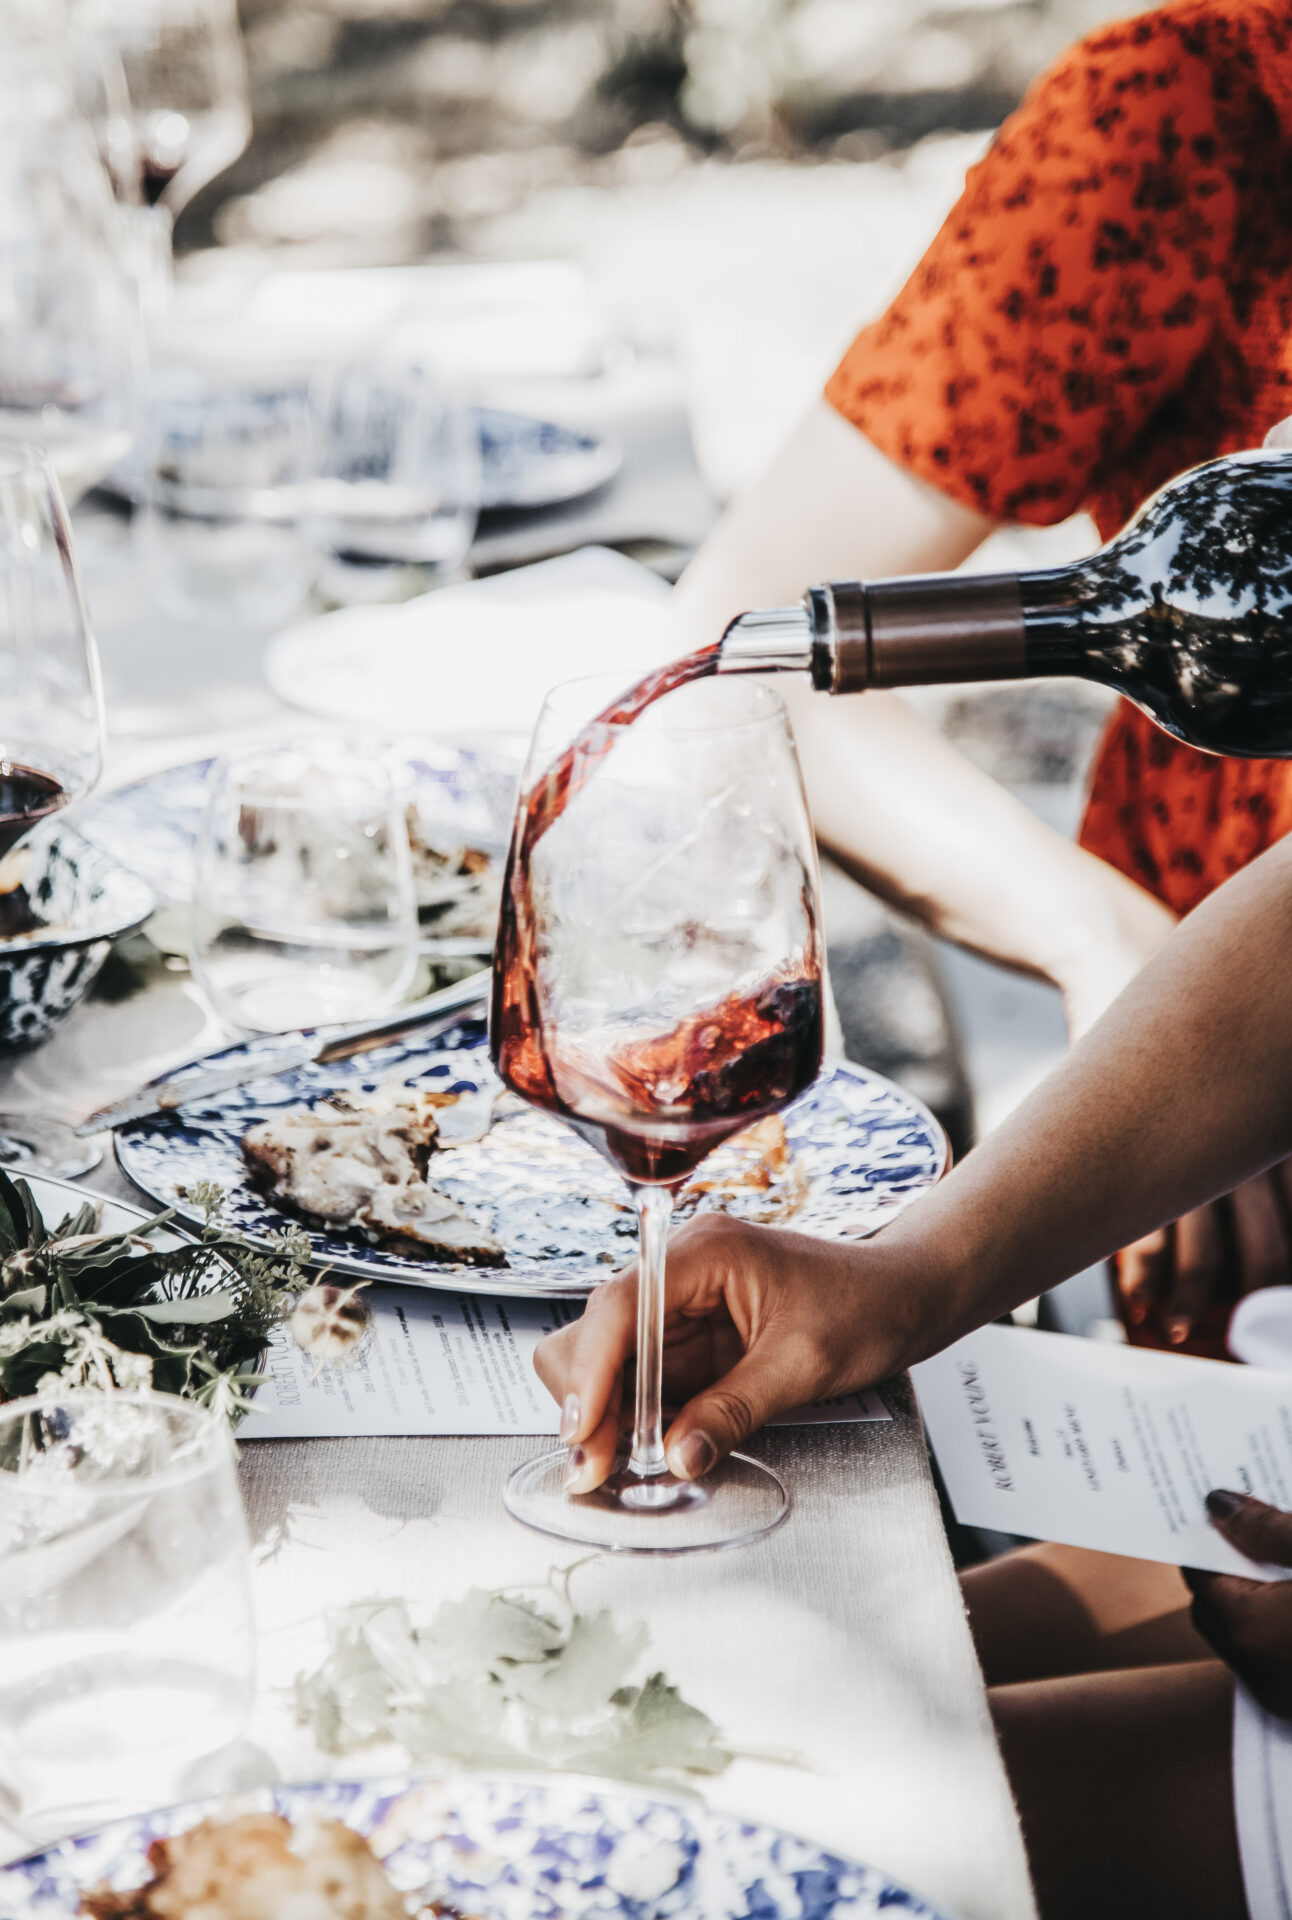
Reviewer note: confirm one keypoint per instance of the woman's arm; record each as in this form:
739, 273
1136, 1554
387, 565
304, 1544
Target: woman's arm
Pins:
1183, 1089
892, 800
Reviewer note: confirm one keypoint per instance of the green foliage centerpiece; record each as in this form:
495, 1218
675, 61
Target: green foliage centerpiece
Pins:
80, 1307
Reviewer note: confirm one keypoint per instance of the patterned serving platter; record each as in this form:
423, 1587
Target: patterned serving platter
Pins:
505, 1849
859, 1150
150, 827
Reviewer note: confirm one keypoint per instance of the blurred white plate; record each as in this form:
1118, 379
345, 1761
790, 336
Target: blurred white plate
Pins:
477, 659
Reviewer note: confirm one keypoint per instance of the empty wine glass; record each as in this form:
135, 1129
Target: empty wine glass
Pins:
657, 984
71, 336
187, 79
51, 718
126, 1644
303, 913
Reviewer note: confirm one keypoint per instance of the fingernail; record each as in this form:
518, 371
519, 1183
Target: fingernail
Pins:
1136, 1308
574, 1466
693, 1455
1223, 1505
1178, 1329
570, 1416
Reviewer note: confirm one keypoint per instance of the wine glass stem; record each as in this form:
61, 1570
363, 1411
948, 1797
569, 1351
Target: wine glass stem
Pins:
654, 1212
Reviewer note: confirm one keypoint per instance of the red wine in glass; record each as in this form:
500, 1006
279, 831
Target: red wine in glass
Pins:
27, 796
657, 986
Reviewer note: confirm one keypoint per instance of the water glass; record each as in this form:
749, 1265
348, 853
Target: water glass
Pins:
304, 912
224, 465
398, 463
126, 1643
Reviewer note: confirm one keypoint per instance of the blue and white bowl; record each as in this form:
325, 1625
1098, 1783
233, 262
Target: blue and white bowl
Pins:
509, 1849
86, 902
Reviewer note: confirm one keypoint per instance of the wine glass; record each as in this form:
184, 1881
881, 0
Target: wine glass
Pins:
398, 462
303, 911
658, 985
187, 79
71, 336
126, 1632
51, 721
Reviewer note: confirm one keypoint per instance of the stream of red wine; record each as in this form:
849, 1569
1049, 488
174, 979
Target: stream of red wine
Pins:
654, 1107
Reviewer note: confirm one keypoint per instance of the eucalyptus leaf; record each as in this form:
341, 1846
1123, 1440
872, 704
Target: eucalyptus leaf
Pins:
29, 1300
195, 1310
13, 1217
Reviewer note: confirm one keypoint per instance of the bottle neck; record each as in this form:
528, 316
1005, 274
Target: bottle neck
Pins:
927, 630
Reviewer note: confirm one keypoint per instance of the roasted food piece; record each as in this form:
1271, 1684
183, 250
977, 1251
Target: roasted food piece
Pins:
257, 1867
345, 1163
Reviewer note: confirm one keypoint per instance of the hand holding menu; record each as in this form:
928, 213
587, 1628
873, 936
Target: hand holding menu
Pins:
1103, 1446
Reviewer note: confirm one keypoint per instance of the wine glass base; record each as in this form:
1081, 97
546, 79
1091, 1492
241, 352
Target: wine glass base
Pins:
32, 1145
739, 1501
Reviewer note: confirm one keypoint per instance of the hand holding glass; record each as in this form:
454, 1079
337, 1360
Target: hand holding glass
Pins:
658, 986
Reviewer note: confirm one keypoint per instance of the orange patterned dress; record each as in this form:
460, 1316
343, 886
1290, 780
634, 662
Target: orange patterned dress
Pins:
1110, 302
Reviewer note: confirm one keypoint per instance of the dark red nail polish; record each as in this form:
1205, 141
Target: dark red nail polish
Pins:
1221, 1504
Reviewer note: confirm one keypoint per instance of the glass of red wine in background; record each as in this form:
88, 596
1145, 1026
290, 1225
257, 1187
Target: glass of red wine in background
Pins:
657, 985
51, 727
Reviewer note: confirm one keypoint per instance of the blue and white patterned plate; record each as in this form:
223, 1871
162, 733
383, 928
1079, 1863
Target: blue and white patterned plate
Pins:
527, 464
506, 1849
462, 795
860, 1150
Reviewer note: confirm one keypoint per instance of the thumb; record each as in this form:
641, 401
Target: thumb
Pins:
763, 1383
1262, 1533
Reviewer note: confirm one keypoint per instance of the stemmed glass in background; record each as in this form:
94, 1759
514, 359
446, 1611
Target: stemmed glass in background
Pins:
303, 911
51, 718
126, 1646
657, 985
71, 344
187, 80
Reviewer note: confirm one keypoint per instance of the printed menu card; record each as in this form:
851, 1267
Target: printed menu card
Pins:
1103, 1446
440, 1363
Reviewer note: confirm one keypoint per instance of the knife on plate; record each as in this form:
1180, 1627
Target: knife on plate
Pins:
170, 1091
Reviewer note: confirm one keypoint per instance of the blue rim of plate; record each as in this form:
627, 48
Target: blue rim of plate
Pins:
863, 1147
509, 1848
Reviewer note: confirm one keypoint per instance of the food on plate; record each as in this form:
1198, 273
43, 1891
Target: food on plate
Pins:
257, 1867
458, 888
363, 1163
753, 1174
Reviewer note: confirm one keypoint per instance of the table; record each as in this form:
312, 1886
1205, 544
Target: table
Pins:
840, 1640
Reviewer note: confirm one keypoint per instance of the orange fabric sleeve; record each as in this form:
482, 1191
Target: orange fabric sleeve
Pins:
1069, 290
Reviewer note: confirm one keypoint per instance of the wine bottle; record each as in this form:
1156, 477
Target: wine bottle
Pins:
1188, 612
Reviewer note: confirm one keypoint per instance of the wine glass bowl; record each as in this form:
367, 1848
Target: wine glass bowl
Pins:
658, 986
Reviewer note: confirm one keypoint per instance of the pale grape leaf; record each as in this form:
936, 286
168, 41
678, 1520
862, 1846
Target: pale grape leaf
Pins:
491, 1631
459, 1720
592, 1665
657, 1732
